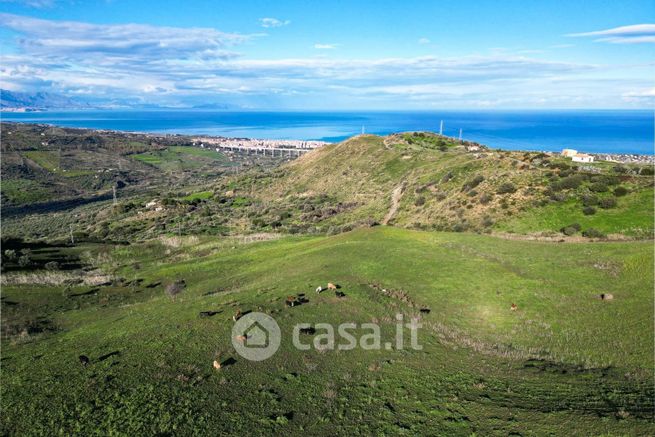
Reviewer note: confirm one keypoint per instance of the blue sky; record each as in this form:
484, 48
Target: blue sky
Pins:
334, 54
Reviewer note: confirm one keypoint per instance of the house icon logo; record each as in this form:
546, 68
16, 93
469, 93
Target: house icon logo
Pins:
256, 336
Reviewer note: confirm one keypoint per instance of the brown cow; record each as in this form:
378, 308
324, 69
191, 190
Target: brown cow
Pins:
217, 365
331, 286
237, 316
291, 301
514, 307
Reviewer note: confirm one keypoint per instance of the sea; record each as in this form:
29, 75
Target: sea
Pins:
591, 131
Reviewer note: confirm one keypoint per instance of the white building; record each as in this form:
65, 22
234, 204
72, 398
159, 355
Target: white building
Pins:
569, 153
582, 157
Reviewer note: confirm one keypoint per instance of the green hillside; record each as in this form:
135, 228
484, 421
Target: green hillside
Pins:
565, 362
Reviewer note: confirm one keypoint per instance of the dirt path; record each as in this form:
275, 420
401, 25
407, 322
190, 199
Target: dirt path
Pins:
395, 201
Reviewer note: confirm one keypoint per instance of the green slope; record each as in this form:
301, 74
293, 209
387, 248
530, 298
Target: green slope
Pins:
564, 363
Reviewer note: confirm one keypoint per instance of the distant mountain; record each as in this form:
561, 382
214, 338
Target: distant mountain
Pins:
18, 101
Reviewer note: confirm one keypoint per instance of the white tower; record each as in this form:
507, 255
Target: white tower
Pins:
441, 128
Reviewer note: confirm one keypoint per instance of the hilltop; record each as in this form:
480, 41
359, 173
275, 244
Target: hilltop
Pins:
413, 180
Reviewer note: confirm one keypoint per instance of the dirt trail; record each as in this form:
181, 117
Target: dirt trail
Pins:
395, 201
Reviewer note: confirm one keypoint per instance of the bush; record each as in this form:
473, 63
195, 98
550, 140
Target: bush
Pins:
568, 230
506, 188
10, 254
568, 183
598, 187
419, 201
647, 171
620, 169
620, 191
24, 261
589, 200
589, 210
52, 265
571, 229
485, 198
593, 233
477, 180
558, 197
608, 202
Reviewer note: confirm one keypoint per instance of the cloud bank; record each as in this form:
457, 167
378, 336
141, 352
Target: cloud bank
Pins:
188, 66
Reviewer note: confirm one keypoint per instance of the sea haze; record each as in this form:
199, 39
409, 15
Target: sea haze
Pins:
597, 131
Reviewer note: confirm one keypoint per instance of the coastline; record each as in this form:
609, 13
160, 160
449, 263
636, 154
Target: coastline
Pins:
259, 144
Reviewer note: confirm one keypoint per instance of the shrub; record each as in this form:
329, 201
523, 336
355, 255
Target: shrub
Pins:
647, 171
10, 254
559, 197
419, 201
487, 222
472, 193
568, 230
620, 191
52, 265
24, 261
477, 180
593, 233
571, 229
598, 187
568, 183
608, 202
620, 169
506, 188
589, 210
448, 176
486, 198
589, 200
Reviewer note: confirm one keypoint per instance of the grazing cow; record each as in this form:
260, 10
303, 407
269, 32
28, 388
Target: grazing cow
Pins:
514, 307
242, 338
237, 316
217, 365
331, 286
319, 289
340, 294
291, 301
606, 296
84, 360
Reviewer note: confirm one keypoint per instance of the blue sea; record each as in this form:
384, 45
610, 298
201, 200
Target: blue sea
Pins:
597, 131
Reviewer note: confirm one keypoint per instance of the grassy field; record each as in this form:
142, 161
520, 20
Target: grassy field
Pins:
564, 363
179, 157
633, 216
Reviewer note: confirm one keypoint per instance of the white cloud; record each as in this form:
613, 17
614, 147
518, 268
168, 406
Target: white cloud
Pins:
423, 41
177, 66
634, 34
320, 46
273, 22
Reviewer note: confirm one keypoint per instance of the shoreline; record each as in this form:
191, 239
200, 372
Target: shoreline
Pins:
307, 145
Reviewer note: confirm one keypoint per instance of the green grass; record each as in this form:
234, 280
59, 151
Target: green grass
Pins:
201, 195
20, 191
632, 216
564, 363
50, 161
180, 158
